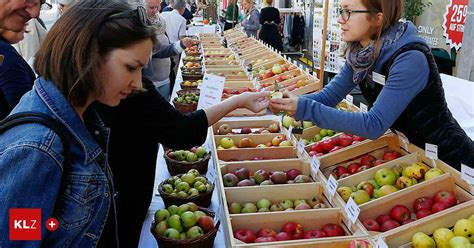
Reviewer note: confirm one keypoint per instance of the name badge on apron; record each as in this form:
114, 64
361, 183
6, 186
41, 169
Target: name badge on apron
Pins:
378, 78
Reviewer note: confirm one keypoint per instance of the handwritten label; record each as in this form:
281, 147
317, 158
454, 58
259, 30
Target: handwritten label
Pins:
364, 108
381, 243
352, 210
403, 139
467, 174
332, 186
212, 87
300, 146
315, 163
350, 99
431, 151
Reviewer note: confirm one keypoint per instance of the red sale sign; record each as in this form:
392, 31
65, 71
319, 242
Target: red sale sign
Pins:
454, 20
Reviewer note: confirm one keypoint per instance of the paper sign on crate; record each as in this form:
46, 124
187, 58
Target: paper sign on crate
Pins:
315, 164
431, 151
300, 146
363, 108
211, 90
352, 210
467, 174
381, 243
332, 186
350, 99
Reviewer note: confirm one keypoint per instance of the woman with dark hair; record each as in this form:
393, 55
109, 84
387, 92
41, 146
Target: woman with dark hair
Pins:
398, 77
101, 62
270, 19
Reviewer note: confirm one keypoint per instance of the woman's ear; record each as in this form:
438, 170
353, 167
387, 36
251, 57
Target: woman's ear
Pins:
379, 19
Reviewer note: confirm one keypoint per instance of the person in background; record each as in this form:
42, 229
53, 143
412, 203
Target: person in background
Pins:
186, 14
231, 15
251, 22
65, 5
32, 40
163, 5
398, 77
16, 76
270, 19
175, 26
168, 7
14, 14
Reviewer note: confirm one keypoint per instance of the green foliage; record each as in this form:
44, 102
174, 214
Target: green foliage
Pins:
414, 8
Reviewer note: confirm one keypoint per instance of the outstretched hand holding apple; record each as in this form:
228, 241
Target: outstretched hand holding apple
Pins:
254, 102
288, 103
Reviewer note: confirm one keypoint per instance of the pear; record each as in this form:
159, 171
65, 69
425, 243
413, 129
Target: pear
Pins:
465, 228
459, 242
421, 240
442, 237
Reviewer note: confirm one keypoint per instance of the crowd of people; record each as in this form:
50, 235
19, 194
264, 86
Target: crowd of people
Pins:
105, 87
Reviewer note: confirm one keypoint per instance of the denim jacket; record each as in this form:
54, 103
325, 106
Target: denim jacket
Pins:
32, 163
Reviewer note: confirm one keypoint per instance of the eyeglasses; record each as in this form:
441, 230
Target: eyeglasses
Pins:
139, 13
346, 13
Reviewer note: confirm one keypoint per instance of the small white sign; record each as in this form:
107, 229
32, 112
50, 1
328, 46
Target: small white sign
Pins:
352, 210
315, 164
381, 243
403, 139
431, 151
350, 99
364, 108
332, 186
467, 174
378, 78
289, 132
300, 146
212, 87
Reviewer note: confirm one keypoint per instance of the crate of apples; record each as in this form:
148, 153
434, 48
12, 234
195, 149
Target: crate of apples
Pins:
241, 177
265, 205
226, 129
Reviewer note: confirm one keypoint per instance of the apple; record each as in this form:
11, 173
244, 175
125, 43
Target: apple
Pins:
379, 162
423, 213
274, 128
447, 198
383, 218
307, 124
371, 225
360, 197
339, 171
389, 225
335, 149
459, 242
264, 203
314, 200
333, 230
266, 232
344, 140
363, 168
279, 177
314, 234
293, 173
302, 206
287, 121
367, 159
302, 179
407, 221
344, 192
432, 173
260, 176
245, 130
320, 205
227, 143
174, 221
386, 190
261, 210
161, 227
318, 148
328, 144
276, 69
400, 213
224, 129
246, 182
359, 244
438, 206
188, 219
267, 182
235, 208
171, 233
416, 170
282, 236
353, 168
285, 143
295, 230
276, 207
201, 152
249, 208
368, 187
390, 155
385, 176
405, 182
277, 140
242, 173
230, 180
246, 143
422, 203
265, 239
244, 235
464, 228
287, 203
206, 223
161, 215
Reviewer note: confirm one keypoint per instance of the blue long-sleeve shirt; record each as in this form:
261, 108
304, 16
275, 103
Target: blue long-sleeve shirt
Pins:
407, 77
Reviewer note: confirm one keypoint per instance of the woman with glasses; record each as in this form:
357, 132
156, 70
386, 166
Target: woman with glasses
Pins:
398, 77
69, 179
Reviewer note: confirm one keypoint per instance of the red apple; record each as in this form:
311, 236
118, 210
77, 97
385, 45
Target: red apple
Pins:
336, 148
407, 221
389, 225
391, 155
344, 140
353, 168
379, 162
400, 213
422, 203
328, 144
314, 234
339, 170
333, 230
438, 206
283, 236
292, 174
206, 223
446, 197
367, 159
266, 232
383, 218
423, 213
312, 153
295, 230
363, 168
265, 239
371, 225
318, 147
244, 235
242, 173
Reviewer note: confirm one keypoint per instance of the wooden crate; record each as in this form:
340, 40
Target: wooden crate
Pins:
401, 237
269, 64
215, 63
339, 243
259, 52
257, 138
239, 84
408, 196
265, 57
254, 124
295, 72
249, 154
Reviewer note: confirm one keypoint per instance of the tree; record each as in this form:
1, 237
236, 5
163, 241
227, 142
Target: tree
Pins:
414, 8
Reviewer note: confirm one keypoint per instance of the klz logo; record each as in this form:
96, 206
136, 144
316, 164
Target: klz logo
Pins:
25, 224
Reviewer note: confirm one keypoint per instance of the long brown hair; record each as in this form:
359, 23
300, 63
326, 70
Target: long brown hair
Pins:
80, 40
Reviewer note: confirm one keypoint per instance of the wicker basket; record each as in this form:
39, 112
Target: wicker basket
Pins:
193, 54
202, 200
187, 87
192, 77
185, 107
205, 241
179, 167
187, 91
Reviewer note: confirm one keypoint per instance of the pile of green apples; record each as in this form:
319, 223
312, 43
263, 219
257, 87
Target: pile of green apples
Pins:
183, 222
288, 121
462, 236
389, 180
322, 135
265, 205
190, 98
192, 155
190, 184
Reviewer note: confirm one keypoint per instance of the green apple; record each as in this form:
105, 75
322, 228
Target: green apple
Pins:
442, 237
287, 204
249, 208
191, 157
386, 190
161, 227
376, 186
192, 206
201, 179
201, 152
180, 155
167, 188
183, 186
235, 208
188, 219
182, 194
287, 121
161, 215
261, 210
194, 172
176, 182
360, 197
464, 228
174, 221
376, 193
405, 182
432, 173
173, 209
188, 178
183, 236
264, 203
420, 239
172, 233
209, 187
276, 207
199, 214
195, 232
459, 242
317, 138
331, 132
183, 208
227, 143
193, 192
197, 184
298, 202
385, 176
323, 132
202, 188
285, 143
416, 170
307, 124
344, 192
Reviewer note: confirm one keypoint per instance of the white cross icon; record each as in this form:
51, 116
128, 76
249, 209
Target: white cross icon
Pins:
52, 224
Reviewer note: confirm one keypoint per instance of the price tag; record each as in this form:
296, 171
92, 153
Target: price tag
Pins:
352, 210
381, 243
315, 163
403, 139
467, 174
431, 151
289, 132
364, 108
300, 146
212, 87
350, 99
332, 186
